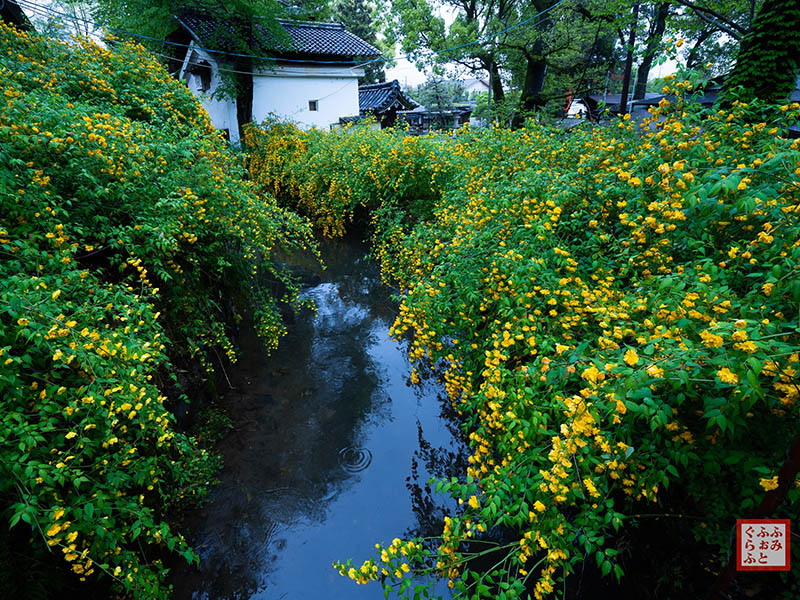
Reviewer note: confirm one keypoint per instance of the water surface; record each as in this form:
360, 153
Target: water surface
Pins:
330, 451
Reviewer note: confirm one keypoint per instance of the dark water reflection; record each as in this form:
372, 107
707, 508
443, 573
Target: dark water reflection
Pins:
330, 453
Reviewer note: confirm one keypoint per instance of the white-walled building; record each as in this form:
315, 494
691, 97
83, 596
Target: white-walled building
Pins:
312, 79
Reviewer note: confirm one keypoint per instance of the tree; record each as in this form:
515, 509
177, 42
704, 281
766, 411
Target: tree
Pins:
712, 30
525, 42
769, 56
155, 19
359, 17
655, 32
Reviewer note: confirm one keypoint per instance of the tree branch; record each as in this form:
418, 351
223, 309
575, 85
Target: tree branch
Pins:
721, 21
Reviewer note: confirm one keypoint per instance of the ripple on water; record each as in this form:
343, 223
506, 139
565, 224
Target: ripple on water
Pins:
354, 459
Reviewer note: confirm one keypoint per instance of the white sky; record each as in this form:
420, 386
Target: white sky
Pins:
405, 72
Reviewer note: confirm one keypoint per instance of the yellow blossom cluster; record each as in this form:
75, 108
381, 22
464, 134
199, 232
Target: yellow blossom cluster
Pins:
610, 310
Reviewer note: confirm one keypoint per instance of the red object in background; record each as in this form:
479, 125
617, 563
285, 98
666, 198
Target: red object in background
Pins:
763, 544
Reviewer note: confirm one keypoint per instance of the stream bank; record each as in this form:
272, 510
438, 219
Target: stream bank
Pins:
330, 452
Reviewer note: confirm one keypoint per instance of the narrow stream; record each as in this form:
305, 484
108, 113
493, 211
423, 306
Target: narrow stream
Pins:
330, 453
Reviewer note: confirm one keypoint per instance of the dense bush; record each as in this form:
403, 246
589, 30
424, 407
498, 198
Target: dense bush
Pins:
336, 178
614, 313
126, 231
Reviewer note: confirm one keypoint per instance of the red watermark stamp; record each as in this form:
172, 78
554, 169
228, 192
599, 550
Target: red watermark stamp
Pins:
762, 544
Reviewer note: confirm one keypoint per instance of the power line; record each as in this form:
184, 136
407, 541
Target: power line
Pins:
253, 73
33, 6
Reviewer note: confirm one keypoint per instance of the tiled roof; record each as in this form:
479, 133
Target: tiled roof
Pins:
380, 97
302, 37
12, 13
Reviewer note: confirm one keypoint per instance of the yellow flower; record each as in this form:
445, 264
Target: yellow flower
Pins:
769, 484
634, 182
655, 371
473, 502
22, 322
767, 288
538, 506
726, 376
592, 375
710, 339
631, 358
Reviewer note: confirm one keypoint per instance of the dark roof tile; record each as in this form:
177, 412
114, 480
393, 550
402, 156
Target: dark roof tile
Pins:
302, 37
380, 97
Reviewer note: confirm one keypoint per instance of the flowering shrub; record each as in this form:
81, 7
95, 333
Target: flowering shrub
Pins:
613, 312
334, 176
125, 228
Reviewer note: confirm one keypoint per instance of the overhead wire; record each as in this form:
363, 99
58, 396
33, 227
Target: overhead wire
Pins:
411, 56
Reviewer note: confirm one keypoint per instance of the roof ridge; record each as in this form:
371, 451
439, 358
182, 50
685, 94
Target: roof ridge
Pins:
316, 24
380, 84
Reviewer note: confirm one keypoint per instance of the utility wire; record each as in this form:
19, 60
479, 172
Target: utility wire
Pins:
34, 6
43, 10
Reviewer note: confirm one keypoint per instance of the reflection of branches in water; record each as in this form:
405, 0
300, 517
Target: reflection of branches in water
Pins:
439, 463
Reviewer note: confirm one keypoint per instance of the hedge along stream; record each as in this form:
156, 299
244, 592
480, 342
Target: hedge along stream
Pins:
127, 232
614, 311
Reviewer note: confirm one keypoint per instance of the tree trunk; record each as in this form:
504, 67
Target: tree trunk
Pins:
244, 84
498, 93
768, 59
535, 70
244, 94
657, 32
626, 79
769, 504
691, 58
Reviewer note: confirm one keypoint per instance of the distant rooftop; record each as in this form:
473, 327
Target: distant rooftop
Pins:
380, 97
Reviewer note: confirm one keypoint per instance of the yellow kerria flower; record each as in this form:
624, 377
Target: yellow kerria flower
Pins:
655, 371
710, 339
726, 376
770, 483
631, 358
473, 502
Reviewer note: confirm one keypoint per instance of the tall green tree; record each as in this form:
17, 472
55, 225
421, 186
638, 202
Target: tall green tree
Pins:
361, 18
768, 61
542, 47
712, 29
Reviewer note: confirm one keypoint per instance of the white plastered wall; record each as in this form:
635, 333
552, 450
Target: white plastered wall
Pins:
285, 91
221, 111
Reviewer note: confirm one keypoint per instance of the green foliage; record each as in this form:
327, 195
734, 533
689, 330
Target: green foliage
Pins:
361, 17
125, 233
436, 94
614, 314
768, 62
353, 171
